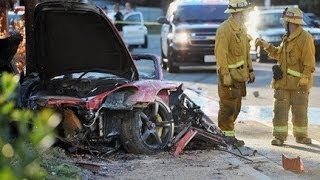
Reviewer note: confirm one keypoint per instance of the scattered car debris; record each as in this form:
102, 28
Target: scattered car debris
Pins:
292, 164
256, 94
93, 167
192, 123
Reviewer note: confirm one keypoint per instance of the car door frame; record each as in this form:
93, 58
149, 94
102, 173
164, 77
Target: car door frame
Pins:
155, 59
140, 25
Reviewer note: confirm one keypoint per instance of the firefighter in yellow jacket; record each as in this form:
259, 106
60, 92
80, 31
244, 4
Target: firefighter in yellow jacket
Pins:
293, 77
232, 51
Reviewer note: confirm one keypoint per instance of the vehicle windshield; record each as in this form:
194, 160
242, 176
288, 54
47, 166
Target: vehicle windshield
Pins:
201, 13
272, 20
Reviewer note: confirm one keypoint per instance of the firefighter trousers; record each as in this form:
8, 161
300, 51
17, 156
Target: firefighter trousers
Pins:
230, 105
297, 100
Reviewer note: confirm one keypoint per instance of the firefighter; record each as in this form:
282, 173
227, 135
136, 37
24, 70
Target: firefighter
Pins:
232, 51
293, 77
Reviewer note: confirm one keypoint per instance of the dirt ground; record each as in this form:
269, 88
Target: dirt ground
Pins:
207, 164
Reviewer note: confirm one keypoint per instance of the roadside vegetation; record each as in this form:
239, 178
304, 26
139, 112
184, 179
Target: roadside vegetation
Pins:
25, 137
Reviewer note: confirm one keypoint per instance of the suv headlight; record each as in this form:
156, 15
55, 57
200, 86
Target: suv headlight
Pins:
180, 38
316, 37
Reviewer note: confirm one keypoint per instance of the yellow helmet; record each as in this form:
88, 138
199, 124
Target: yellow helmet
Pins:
237, 6
293, 15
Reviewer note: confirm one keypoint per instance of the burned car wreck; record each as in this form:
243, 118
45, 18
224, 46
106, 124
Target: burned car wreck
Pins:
107, 97
82, 68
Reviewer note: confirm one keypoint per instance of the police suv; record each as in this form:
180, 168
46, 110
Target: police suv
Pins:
188, 32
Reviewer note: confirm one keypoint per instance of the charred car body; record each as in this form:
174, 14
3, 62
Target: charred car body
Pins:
82, 68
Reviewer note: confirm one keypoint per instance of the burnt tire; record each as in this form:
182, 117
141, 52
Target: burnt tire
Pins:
148, 130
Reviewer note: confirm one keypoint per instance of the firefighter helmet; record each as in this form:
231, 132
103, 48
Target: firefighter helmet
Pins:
293, 15
237, 6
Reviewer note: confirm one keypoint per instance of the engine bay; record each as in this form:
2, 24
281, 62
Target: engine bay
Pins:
77, 87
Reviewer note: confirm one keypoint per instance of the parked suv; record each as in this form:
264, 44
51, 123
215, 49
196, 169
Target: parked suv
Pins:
265, 23
188, 33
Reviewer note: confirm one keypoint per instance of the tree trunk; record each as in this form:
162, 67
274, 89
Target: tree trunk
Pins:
3, 18
4, 22
29, 11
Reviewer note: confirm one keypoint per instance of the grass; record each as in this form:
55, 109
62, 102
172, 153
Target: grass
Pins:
56, 163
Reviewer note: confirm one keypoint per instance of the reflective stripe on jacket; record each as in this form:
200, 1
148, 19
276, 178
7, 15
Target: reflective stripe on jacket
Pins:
296, 56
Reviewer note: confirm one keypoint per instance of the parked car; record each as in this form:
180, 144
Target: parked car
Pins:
135, 33
188, 33
265, 23
314, 18
82, 69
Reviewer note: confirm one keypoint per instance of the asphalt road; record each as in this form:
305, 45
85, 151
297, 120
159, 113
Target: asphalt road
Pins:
205, 79
263, 70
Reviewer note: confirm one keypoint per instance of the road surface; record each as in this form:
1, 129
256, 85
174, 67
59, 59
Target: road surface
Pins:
253, 126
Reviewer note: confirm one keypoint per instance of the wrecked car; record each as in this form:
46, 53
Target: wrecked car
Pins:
107, 98
82, 69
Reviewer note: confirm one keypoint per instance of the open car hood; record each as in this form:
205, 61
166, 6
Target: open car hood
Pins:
77, 37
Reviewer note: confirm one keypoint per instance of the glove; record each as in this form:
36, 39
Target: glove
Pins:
262, 43
252, 77
304, 81
227, 80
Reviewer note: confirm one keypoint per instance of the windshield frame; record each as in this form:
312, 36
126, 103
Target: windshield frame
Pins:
192, 16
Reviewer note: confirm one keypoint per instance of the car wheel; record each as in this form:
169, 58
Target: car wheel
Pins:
145, 45
171, 67
149, 130
24, 91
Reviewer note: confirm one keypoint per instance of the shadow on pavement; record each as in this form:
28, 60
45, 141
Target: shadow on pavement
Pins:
314, 146
306, 149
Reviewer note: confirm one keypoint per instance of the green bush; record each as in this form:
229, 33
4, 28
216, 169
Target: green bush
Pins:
24, 134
